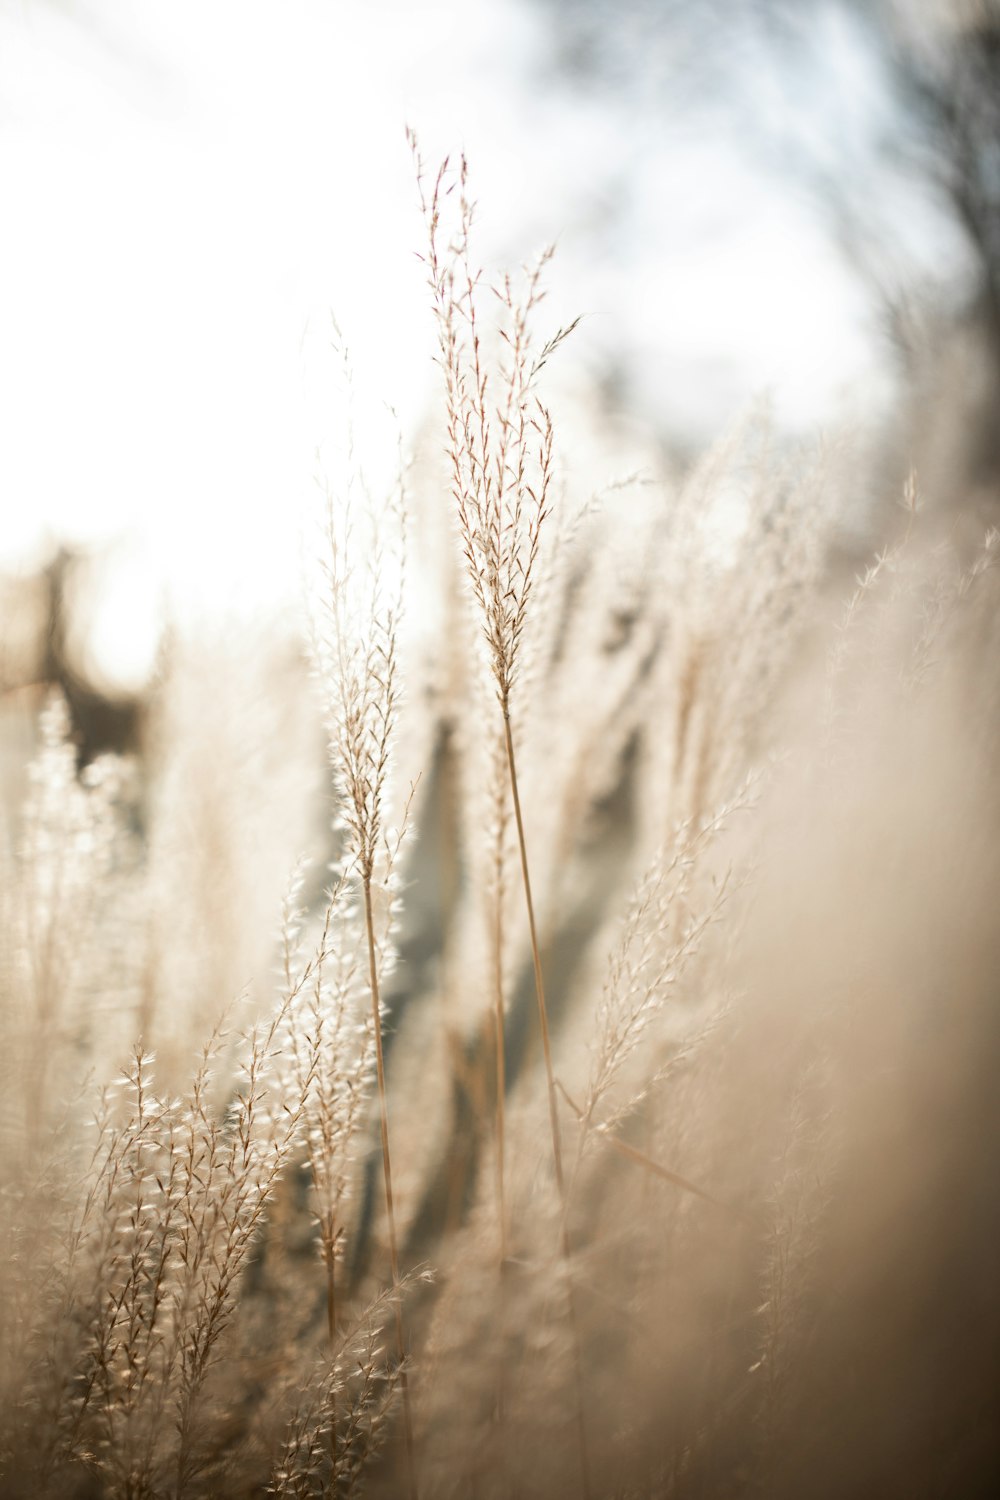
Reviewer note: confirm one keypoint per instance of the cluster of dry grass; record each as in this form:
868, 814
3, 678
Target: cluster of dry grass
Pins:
623, 1120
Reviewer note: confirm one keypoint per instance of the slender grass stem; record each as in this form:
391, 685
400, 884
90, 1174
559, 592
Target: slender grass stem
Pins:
543, 1015
329, 1250
501, 1090
387, 1177
331, 1296
543, 1018
501, 1061
642, 1159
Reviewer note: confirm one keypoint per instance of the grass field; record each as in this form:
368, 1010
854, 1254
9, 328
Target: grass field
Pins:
608, 1107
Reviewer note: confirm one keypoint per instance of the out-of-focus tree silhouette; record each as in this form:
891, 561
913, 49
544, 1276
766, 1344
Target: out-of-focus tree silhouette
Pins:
41, 605
910, 192
940, 140
951, 85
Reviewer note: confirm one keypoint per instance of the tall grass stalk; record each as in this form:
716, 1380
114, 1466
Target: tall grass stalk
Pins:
357, 651
390, 1209
543, 1020
500, 451
499, 1017
500, 1080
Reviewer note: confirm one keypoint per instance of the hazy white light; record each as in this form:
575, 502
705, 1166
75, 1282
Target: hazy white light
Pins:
117, 611
191, 190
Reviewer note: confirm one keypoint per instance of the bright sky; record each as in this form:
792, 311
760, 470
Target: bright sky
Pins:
191, 186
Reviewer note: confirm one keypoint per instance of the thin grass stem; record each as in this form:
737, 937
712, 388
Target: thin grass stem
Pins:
543, 1019
501, 1065
390, 1209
